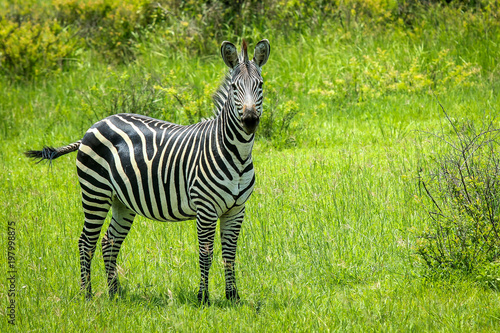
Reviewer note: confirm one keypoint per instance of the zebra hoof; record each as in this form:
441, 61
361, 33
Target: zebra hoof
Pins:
203, 298
232, 295
88, 293
114, 296
115, 290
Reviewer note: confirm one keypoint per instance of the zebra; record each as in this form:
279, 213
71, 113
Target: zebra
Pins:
137, 165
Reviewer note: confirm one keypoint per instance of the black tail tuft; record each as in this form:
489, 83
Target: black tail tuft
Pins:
47, 153
51, 153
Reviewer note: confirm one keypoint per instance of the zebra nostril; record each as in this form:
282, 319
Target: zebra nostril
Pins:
250, 119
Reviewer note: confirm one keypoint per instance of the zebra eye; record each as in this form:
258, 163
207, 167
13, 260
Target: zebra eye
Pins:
233, 85
260, 84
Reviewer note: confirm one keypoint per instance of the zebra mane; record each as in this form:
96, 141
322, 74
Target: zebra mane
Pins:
221, 95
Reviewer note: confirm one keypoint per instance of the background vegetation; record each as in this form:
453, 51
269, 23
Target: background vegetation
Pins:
338, 232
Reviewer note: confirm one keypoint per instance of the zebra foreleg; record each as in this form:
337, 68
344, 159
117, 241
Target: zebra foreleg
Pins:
206, 223
118, 229
230, 227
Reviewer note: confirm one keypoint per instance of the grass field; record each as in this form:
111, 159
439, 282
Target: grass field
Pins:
327, 242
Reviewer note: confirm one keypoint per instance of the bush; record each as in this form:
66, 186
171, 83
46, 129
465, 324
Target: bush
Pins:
127, 94
29, 49
38, 39
156, 95
111, 27
462, 200
276, 124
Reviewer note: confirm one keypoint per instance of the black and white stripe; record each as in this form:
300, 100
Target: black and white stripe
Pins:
134, 164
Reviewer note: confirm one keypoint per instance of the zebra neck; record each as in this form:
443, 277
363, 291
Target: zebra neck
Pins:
234, 139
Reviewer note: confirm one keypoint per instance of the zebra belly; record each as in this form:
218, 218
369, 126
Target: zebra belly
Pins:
175, 202
153, 199
162, 214
225, 195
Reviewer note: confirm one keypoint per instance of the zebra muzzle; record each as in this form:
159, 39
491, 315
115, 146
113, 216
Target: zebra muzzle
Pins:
250, 119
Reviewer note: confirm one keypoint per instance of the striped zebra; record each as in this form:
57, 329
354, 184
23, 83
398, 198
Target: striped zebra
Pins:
134, 164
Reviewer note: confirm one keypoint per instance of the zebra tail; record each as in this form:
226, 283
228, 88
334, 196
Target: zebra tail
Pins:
51, 153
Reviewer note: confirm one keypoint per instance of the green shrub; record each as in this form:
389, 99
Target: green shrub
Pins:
489, 275
111, 27
29, 49
462, 200
371, 76
156, 95
127, 94
276, 125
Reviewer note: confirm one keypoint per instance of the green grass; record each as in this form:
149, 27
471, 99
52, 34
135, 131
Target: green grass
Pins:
324, 246
326, 243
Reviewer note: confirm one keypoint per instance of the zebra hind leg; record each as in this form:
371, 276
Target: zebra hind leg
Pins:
118, 229
95, 213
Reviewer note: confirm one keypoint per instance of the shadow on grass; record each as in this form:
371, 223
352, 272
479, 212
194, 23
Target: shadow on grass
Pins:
176, 297
150, 298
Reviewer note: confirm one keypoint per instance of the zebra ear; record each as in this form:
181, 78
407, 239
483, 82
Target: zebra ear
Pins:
229, 54
261, 53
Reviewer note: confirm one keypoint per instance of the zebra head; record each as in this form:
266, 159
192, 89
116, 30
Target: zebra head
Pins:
246, 81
